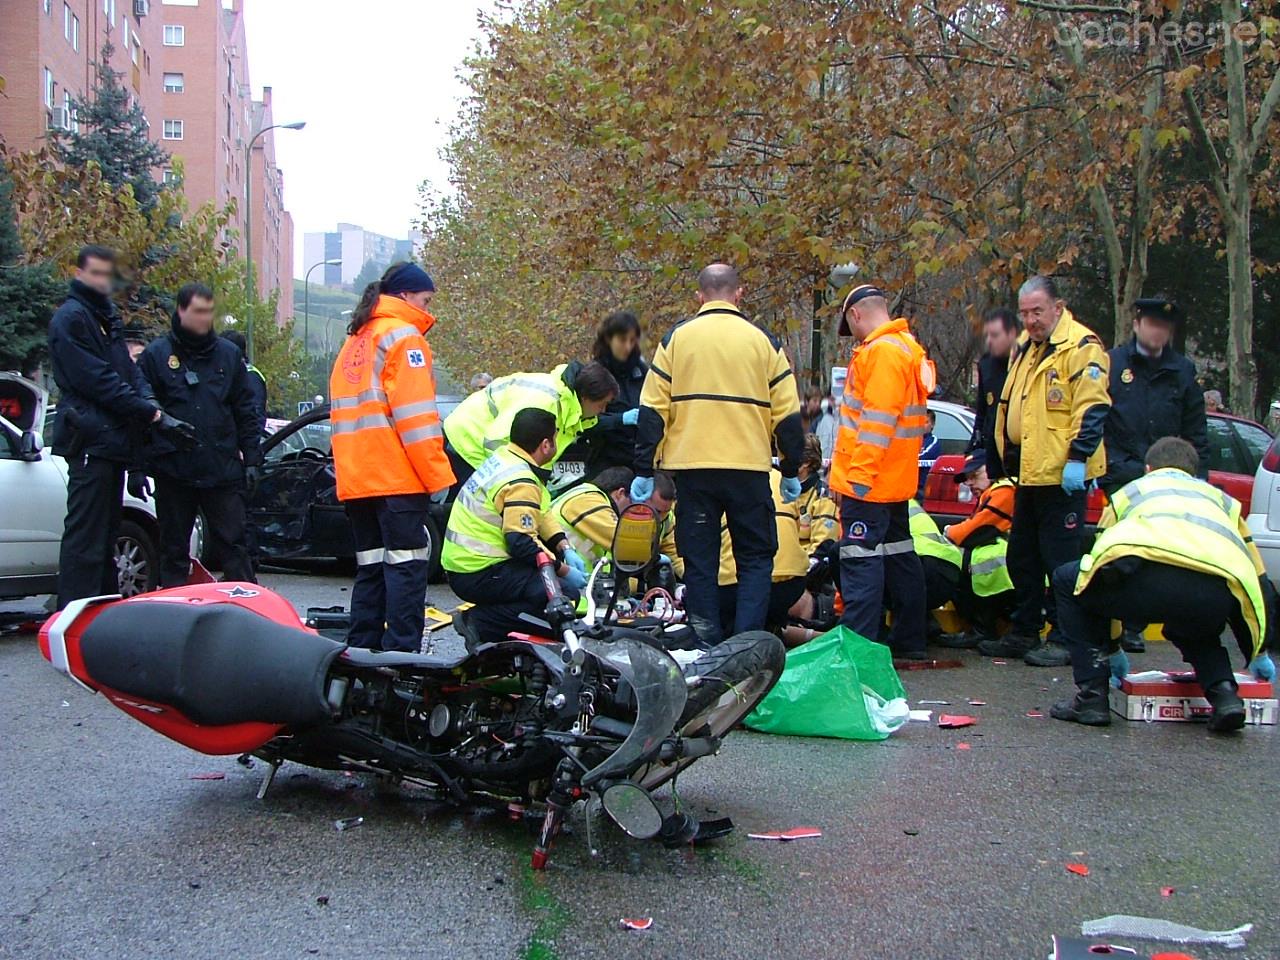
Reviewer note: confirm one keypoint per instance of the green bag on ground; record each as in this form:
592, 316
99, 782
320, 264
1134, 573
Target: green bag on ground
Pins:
820, 693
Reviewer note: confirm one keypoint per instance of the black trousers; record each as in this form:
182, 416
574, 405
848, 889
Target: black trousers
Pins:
176, 507
1194, 607
1047, 532
941, 579
783, 595
86, 558
501, 593
983, 613
393, 561
742, 499
877, 561
462, 470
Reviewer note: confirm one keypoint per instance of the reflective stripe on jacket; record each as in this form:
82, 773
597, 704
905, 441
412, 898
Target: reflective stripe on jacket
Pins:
928, 539
1060, 387
387, 438
819, 519
482, 422
883, 417
1170, 517
989, 569
474, 538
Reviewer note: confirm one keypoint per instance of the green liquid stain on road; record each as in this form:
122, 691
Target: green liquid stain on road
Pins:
550, 916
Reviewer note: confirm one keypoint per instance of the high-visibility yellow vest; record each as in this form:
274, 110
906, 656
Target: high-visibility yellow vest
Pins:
576, 504
474, 539
1171, 517
989, 569
928, 539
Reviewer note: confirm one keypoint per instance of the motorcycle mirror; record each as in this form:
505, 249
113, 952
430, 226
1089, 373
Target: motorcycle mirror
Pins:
631, 808
635, 540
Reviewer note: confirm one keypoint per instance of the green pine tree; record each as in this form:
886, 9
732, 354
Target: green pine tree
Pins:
28, 294
114, 134
368, 273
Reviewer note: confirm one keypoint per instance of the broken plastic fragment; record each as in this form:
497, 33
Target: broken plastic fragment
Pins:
1000, 663
638, 923
347, 823
1035, 714
950, 721
1166, 891
935, 703
1079, 869
1148, 928
216, 775
977, 703
925, 715
962, 745
795, 833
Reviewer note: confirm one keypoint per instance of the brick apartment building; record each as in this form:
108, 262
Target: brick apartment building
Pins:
185, 62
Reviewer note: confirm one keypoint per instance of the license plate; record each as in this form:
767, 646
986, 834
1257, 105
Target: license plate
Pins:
568, 468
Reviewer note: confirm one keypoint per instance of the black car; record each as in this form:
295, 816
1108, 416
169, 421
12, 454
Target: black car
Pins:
295, 513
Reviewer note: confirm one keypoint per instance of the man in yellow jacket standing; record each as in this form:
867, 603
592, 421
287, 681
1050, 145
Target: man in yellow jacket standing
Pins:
1049, 434
718, 394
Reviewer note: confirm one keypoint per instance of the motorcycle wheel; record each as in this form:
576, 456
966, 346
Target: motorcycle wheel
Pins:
736, 676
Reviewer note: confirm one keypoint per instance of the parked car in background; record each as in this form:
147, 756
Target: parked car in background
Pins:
1264, 516
295, 513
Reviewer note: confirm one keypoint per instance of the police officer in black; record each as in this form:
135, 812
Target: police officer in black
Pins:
1154, 394
202, 377
104, 410
1000, 329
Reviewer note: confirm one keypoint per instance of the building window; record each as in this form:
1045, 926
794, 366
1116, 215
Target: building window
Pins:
173, 129
50, 88
69, 112
174, 83
48, 7
171, 176
228, 121
175, 35
70, 26
133, 52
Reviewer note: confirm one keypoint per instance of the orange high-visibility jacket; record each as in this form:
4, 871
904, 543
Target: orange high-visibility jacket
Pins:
883, 417
387, 438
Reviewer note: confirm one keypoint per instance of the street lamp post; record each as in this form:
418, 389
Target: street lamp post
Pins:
839, 277
306, 306
248, 228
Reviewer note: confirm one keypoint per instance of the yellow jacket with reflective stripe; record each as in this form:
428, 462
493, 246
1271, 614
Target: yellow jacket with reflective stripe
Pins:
720, 386
790, 561
387, 439
928, 539
1057, 384
1171, 517
822, 516
588, 517
482, 422
883, 416
503, 496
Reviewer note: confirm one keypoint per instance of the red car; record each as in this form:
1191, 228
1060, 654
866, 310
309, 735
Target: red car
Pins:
1236, 447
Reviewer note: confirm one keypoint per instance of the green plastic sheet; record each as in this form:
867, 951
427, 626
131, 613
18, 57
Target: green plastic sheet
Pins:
820, 693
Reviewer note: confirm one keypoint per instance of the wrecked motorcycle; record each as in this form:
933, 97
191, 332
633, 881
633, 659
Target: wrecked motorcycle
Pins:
536, 722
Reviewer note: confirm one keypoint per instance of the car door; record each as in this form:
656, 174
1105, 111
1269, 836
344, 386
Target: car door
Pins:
1252, 443
33, 493
1226, 461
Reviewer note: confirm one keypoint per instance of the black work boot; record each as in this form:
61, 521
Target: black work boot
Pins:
1012, 645
1090, 706
1131, 642
1228, 708
962, 641
1049, 653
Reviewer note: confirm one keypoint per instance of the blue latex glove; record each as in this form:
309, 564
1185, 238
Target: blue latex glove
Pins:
663, 559
1073, 476
574, 559
641, 489
1119, 666
1263, 667
790, 489
631, 417
575, 579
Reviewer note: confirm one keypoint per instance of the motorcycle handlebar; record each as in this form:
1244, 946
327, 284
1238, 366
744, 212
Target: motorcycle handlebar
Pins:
547, 570
556, 598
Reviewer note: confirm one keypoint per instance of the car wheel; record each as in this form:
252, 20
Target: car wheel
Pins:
137, 559
435, 572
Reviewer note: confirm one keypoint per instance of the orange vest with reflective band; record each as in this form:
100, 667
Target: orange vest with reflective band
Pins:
883, 416
387, 439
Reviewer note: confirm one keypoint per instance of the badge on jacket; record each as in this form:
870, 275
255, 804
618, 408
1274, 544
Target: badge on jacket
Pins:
1056, 395
991, 398
174, 362
1126, 375
416, 358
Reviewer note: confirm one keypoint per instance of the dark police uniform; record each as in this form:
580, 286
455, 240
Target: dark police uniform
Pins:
992, 372
203, 381
103, 412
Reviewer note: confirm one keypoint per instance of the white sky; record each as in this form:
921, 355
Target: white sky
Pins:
376, 82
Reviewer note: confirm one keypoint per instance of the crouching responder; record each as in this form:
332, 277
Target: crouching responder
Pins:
574, 394
588, 513
499, 525
819, 515
940, 558
1170, 549
985, 591
787, 595
882, 421
388, 452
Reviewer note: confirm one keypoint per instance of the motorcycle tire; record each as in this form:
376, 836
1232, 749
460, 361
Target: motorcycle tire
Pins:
736, 675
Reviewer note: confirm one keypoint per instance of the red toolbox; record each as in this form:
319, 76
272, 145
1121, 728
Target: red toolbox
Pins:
1155, 695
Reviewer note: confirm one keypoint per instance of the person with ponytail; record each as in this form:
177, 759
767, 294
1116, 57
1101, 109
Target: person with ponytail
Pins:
388, 453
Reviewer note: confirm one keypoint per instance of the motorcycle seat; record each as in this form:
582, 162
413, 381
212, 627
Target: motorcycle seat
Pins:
364, 657
216, 664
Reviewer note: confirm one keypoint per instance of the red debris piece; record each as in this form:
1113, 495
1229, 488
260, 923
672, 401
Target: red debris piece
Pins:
208, 776
1166, 891
1079, 869
927, 664
1172, 956
1035, 714
795, 833
638, 923
962, 745
949, 721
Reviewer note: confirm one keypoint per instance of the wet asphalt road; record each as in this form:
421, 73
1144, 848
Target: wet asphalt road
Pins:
929, 852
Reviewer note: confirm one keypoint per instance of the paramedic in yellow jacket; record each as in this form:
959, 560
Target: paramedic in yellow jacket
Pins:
819, 515
1049, 434
1172, 549
588, 514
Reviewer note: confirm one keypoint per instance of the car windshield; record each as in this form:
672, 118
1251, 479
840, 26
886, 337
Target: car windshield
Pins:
1256, 442
313, 436
951, 432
